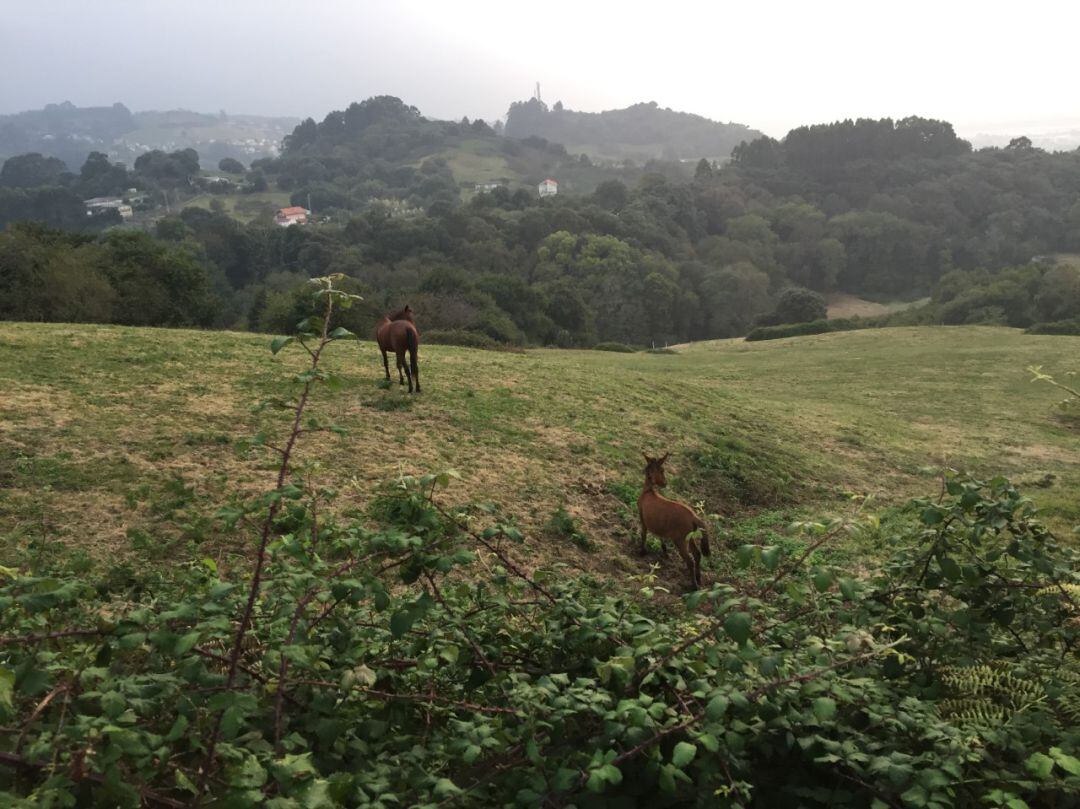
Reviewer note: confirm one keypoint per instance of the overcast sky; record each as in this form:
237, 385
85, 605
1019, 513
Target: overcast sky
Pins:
985, 66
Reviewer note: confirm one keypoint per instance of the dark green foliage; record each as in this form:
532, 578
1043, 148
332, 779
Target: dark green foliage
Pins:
812, 327
620, 348
460, 337
796, 305
127, 278
1055, 327
231, 165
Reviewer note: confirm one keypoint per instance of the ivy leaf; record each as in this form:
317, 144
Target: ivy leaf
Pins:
737, 625
683, 754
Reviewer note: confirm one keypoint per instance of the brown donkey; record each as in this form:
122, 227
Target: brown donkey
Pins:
670, 520
397, 332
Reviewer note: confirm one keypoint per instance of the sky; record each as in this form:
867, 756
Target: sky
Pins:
985, 66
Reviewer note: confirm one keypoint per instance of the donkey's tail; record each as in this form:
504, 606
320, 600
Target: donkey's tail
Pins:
705, 550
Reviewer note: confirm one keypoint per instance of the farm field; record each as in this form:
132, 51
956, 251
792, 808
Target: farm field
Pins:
120, 443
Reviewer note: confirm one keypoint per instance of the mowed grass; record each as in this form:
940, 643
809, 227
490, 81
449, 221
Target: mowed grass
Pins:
119, 444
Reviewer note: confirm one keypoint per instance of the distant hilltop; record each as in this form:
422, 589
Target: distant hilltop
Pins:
70, 133
638, 132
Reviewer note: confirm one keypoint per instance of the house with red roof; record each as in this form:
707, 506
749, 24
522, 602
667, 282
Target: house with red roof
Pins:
291, 216
549, 188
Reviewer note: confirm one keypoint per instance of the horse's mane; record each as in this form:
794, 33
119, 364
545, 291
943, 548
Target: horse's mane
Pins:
402, 314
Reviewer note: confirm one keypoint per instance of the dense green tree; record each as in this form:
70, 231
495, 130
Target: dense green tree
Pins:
32, 171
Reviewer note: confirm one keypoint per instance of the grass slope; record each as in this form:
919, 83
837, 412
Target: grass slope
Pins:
118, 443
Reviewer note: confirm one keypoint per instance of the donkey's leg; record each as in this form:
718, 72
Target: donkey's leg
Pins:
386, 364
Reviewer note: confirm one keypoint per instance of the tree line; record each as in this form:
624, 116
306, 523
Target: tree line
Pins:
883, 209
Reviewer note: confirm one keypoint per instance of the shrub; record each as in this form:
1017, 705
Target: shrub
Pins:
621, 348
1055, 327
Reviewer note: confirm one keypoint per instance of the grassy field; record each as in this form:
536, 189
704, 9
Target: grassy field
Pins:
244, 207
120, 443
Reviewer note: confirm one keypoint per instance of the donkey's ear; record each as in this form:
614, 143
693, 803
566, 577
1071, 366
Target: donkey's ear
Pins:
666, 456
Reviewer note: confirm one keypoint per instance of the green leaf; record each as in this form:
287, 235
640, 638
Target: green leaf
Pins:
683, 754
339, 333
949, 568
717, 707
185, 643
444, 788
771, 558
823, 580
931, 515
7, 691
279, 343
824, 708
847, 589
401, 622
737, 625
1070, 764
113, 704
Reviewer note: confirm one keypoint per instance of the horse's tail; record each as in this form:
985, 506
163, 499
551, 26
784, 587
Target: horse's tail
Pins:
413, 344
705, 550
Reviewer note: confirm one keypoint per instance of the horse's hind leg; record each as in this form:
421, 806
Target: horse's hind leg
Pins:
695, 578
400, 368
415, 368
386, 363
697, 562
408, 374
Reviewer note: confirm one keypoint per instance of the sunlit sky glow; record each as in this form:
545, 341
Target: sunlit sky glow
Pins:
986, 66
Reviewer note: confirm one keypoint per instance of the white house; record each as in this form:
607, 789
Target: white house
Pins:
99, 205
291, 216
549, 188
483, 188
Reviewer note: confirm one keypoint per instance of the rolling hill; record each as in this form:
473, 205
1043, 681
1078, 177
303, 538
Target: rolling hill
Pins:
118, 442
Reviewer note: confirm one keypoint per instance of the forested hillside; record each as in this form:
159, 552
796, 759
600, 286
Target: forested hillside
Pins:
883, 209
638, 132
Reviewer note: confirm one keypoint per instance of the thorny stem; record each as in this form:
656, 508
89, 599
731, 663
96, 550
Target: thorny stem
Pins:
264, 542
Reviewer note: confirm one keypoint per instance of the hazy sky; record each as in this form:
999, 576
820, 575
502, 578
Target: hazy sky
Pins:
985, 66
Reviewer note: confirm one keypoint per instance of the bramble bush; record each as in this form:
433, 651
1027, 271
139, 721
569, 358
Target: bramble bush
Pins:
420, 663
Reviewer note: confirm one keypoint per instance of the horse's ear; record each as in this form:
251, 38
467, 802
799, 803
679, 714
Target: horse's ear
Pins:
646, 457
666, 456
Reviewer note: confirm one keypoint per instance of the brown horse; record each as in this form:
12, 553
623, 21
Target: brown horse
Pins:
397, 332
670, 520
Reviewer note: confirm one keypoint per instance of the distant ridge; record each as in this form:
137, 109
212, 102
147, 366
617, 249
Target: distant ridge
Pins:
640, 131
70, 133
